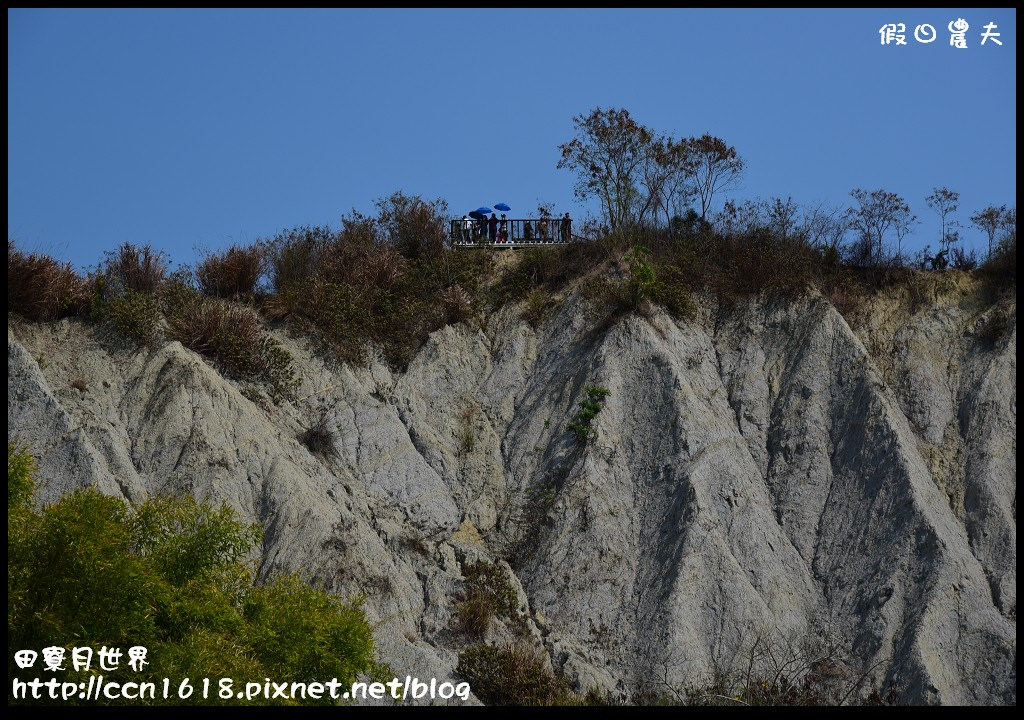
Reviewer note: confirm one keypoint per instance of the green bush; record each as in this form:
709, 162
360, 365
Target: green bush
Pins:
176, 577
646, 282
670, 291
134, 315
589, 408
513, 675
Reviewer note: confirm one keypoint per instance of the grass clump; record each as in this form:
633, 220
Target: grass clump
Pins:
40, 288
536, 308
513, 675
125, 292
488, 594
132, 268
234, 273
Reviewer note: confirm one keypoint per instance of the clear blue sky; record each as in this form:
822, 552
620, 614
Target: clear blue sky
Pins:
188, 129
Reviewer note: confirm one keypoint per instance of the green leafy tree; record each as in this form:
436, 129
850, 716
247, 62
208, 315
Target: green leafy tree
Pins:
174, 576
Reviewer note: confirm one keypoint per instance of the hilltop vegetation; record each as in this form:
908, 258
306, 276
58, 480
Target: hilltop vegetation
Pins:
391, 280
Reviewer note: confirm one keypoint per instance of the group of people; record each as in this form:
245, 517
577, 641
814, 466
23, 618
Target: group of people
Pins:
496, 229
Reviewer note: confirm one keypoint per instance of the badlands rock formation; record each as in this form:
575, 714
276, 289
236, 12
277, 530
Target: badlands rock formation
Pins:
762, 469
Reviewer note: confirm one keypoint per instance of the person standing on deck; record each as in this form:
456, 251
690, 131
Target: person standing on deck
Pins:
527, 231
503, 229
492, 228
566, 228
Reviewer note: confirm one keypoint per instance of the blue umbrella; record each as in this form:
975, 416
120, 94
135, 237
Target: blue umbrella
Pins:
503, 207
484, 210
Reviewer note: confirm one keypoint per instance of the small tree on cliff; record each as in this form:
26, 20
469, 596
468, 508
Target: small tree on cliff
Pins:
990, 220
608, 155
716, 166
877, 213
944, 202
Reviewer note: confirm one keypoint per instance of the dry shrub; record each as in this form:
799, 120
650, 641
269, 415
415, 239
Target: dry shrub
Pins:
551, 268
455, 305
321, 435
233, 273
378, 280
295, 256
773, 668
382, 268
536, 307
513, 675
40, 288
232, 336
140, 270
1000, 269
415, 227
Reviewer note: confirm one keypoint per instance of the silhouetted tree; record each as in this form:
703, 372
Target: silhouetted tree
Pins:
716, 167
825, 227
668, 177
877, 213
608, 155
990, 219
1009, 227
944, 202
781, 216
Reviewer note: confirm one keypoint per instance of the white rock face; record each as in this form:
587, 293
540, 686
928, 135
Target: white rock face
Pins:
758, 469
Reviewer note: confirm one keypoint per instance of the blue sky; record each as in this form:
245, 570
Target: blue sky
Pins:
190, 129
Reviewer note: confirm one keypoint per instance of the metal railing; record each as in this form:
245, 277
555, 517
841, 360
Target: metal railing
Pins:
511, 233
